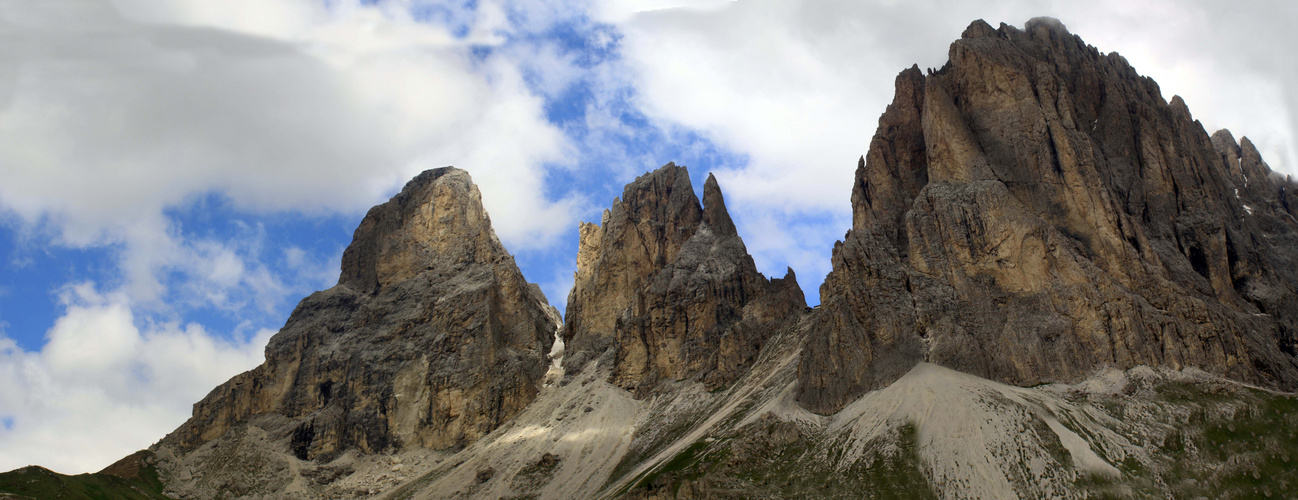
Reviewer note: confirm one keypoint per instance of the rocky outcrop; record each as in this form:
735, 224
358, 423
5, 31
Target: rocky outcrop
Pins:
638, 236
432, 338
1033, 211
667, 287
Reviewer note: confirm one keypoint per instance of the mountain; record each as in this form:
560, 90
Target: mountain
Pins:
668, 285
431, 339
1056, 285
1034, 211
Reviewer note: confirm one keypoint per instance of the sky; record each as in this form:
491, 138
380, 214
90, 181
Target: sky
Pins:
176, 174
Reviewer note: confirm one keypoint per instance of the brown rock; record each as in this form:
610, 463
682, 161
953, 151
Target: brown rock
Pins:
638, 235
432, 337
670, 289
1034, 211
548, 461
130, 466
485, 475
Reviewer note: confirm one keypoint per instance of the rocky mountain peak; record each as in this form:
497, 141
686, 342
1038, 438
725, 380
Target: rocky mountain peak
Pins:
666, 288
664, 196
436, 220
714, 209
431, 340
638, 236
1034, 211
977, 29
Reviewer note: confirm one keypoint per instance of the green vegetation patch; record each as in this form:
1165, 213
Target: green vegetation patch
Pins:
1229, 442
773, 459
897, 474
40, 483
1257, 448
684, 466
644, 447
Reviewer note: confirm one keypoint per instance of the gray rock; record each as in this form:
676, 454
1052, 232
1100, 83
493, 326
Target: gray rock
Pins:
639, 234
669, 287
431, 338
1034, 211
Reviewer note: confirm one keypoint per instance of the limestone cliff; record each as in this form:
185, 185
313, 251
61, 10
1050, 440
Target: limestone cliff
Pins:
432, 338
668, 288
1034, 211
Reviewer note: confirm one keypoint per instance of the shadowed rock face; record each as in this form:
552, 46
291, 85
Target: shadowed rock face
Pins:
1034, 211
669, 287
431, 338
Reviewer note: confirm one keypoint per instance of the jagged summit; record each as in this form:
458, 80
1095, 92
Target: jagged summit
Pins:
431, 339
640, 233
668, 288
1034, 211
715, 214
436, 221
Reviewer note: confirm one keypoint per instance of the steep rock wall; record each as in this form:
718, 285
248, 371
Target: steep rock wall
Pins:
668, 288
1033, 211
431, 338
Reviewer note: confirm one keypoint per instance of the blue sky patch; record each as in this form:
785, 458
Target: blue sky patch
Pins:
31, 274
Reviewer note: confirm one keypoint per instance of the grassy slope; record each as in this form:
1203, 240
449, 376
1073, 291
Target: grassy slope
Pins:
786, 470
41, 483
1232, 443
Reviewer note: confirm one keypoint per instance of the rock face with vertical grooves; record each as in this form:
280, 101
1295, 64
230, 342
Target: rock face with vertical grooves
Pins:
1034, 211
432, 338
667, 287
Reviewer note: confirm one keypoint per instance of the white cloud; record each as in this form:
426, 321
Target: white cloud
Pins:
102, 387
312, 271
621, 10
757, 82
558, 286
107, 119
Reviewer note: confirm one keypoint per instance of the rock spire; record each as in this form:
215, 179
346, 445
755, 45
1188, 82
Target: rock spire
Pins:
666, 288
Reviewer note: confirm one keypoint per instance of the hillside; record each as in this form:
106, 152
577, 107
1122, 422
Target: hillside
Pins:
130, 478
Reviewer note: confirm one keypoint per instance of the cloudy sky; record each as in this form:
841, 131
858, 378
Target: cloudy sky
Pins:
176, 174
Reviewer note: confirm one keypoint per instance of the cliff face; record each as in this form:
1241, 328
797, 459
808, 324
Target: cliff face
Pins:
432, 337
1034, 211
667, 287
